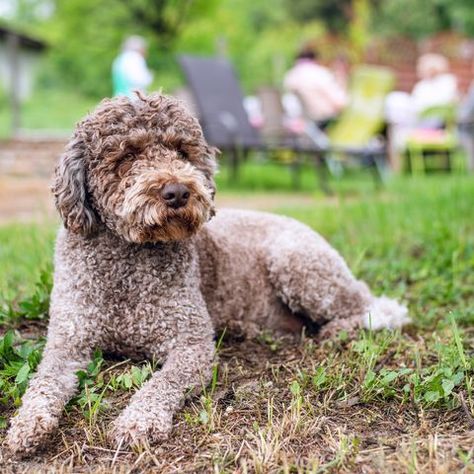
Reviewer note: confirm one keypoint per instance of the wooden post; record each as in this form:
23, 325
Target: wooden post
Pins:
13, 48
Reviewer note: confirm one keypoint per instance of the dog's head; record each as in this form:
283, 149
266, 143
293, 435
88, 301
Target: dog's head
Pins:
141, 167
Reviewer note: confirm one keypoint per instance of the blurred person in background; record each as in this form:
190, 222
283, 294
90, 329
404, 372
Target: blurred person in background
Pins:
465, 119
437, 86
320, 94
436, 91
129, 70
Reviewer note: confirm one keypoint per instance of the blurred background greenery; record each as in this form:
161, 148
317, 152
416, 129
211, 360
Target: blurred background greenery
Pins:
259, 37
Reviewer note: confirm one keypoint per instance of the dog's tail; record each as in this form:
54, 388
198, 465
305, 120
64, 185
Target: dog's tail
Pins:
385, 313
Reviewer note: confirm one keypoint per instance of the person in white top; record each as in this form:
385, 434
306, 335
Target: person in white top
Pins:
129, 70
316, 87
404, 111
437, 87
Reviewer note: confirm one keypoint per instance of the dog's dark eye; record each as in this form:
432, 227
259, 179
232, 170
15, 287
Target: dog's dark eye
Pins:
124, 166
183, 155
126, 158
124, 162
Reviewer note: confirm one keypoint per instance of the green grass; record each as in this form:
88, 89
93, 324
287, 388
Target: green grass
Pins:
26, 251
52, 110
259, 173
415, 240
374, 404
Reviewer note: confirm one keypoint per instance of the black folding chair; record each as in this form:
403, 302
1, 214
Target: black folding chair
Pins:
224, 120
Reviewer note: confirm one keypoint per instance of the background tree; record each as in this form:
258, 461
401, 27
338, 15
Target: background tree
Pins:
335, 14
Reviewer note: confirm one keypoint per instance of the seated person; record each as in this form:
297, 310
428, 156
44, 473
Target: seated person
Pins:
316, 87
466, 124
436, 87
404, 112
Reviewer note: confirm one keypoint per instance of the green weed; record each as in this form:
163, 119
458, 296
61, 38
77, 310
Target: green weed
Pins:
34, 307
18, 361
135, 377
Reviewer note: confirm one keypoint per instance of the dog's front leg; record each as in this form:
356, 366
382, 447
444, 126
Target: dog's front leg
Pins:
149, 415
49, 390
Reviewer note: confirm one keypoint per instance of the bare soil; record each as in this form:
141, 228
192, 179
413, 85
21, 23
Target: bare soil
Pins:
255, 425
25, 171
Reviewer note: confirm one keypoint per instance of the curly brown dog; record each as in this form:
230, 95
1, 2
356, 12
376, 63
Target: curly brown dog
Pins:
140, 272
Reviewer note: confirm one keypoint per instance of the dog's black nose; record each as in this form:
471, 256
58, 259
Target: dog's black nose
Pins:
175, 195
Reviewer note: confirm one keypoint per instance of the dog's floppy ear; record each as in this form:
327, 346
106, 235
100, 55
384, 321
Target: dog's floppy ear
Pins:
70, 190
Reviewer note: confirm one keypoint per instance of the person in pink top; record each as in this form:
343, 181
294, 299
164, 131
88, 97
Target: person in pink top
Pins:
318, 90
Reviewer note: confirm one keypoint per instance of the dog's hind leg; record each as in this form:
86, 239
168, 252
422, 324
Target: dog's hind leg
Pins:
313, 279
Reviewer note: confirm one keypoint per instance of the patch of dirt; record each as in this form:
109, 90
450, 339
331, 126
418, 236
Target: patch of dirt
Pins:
26, 167
25, 199
254, 423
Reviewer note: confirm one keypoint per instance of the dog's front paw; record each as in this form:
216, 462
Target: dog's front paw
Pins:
136, 426
28, 432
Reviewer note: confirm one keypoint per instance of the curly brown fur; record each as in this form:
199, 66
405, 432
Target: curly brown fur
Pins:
119, 159
140, 273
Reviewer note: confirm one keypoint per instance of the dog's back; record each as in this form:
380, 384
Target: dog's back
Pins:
234, 251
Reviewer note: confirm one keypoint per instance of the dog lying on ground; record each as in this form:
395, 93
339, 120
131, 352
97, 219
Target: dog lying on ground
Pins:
142, 270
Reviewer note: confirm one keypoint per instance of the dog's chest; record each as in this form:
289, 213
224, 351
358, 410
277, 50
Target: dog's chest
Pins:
137, 298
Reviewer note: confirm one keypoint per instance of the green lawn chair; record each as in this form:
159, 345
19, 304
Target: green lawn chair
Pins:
355, 132
436, 145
